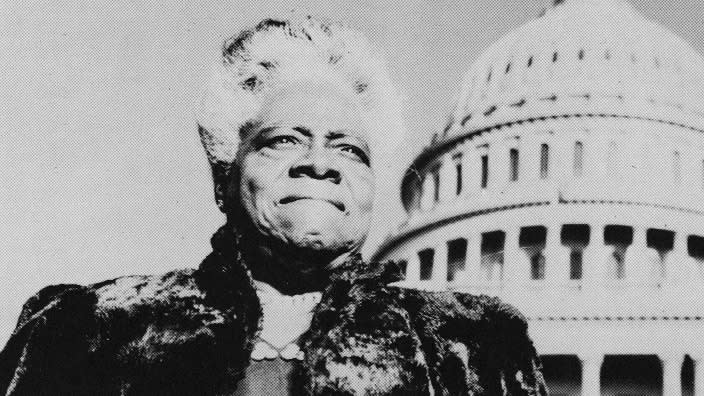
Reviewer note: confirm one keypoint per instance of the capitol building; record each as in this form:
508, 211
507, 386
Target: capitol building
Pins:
569, 181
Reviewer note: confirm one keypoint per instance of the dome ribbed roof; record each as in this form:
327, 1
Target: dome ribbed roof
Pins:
583, 57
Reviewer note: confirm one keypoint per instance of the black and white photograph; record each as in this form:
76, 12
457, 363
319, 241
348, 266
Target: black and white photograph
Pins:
311, 197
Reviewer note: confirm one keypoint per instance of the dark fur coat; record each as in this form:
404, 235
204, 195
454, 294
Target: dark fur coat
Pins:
191, 332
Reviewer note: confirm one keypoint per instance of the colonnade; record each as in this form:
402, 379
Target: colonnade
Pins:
671, 373
640, 264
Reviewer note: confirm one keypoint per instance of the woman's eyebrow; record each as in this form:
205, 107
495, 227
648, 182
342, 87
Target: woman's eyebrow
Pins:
342, 134
302, 130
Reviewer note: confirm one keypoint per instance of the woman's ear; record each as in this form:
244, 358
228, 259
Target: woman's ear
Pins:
222, 181
220, 196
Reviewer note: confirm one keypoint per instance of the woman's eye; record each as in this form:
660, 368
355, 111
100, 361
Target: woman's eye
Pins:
355, 151
281, 142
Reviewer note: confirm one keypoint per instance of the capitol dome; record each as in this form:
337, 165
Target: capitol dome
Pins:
569, 181
597, 57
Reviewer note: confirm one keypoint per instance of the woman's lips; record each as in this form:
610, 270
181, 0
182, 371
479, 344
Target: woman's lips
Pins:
292, 198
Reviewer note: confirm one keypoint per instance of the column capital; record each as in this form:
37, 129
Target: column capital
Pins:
671, 373
697, 356
671, 357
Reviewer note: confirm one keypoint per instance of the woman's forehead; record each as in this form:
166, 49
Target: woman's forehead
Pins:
314, 106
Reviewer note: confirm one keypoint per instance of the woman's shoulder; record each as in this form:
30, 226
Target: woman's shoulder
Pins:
473, 307
127, 293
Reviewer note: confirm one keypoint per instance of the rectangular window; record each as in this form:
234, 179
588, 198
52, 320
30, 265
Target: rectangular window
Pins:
492, 255
695, 247
458, 173
485, 170
436, 182
403, 265
578, 159
544, 159
426, 263
456, 256
576, 264
513, 159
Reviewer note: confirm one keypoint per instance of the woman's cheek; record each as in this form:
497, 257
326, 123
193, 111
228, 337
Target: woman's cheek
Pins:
363, 188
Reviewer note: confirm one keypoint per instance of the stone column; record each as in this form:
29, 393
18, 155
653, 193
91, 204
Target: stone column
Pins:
593, 255
556, 256
498, 165
427, 192
413, 269
448, 179
439, 275
591, 373
679, 267
637, 257
529, 167
698, 374
595, 165
560, 164
514, 258
471, 171
671, 374
594, 259
474, 258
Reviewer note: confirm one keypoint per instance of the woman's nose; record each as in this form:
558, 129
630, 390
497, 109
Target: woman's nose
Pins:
317, 163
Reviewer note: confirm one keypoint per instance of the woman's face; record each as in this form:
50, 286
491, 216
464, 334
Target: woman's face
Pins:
305, 177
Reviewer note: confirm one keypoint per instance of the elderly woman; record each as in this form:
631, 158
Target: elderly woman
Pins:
296, 124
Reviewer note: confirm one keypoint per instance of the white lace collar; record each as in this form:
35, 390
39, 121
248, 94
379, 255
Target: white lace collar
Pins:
284, 319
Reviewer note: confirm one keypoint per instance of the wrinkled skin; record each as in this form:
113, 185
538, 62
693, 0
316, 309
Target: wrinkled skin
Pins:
304, 176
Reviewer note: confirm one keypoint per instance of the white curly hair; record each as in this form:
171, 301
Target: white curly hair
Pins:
277, 53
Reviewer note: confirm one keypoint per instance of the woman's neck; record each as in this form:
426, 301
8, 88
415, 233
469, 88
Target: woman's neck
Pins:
288, 270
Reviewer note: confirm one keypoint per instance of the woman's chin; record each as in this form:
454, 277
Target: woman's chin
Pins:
316, 240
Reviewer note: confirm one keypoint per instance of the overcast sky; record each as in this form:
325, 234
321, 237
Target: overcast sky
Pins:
101, 170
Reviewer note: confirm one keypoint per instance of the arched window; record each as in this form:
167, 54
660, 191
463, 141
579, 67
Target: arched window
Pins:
544, 159
537, 266
513, 160
578, 162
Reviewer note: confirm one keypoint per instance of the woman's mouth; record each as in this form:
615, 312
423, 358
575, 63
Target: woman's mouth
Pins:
292, 198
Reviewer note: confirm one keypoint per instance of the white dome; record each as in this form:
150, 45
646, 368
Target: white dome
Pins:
583, 57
